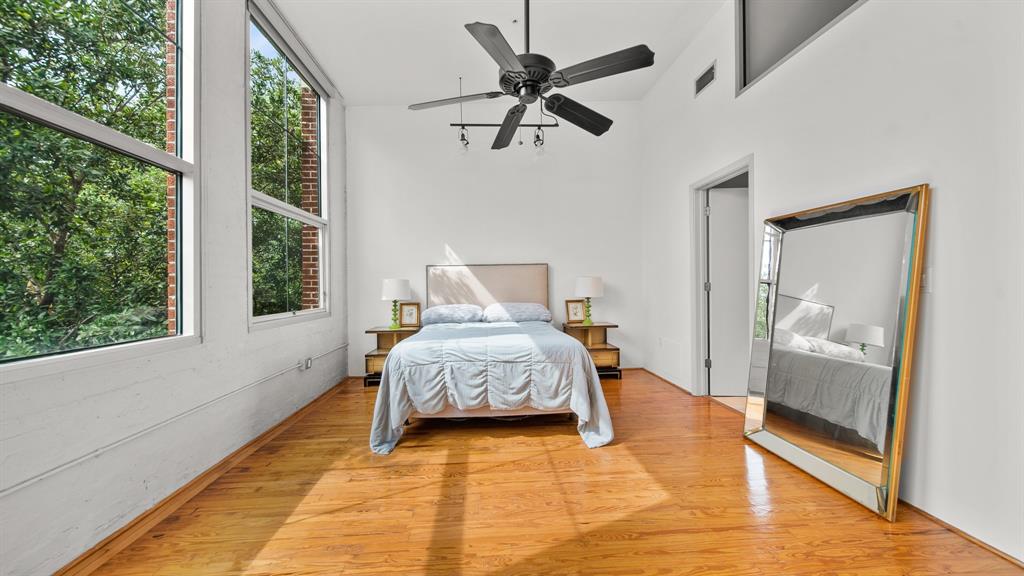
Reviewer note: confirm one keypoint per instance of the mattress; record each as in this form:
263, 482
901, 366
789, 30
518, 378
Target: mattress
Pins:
500, 365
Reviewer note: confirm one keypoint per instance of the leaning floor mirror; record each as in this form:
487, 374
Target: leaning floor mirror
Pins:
834, 340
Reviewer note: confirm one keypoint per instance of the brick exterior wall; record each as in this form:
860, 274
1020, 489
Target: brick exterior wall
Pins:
310, 200
172, 184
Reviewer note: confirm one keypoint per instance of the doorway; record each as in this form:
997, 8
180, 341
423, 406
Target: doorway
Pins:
724, 284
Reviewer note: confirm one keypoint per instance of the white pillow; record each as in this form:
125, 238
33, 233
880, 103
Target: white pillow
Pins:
517, 312
452, 313
834, 349
792, 340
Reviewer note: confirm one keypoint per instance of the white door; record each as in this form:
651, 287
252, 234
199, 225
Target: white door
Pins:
728, 300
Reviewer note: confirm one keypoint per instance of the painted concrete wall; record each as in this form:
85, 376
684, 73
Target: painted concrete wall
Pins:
415, 199
85, 451
896, 94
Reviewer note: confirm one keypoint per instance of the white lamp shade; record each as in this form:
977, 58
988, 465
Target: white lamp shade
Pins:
589, 287
866, 334
395, 289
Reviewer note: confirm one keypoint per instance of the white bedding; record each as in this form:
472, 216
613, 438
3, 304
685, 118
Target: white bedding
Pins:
851, 394
503, 365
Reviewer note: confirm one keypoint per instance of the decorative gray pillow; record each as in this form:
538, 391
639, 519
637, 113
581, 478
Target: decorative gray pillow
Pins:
517, 312
452, 313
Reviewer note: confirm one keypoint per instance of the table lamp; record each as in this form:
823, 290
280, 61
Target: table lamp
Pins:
588, 287
865, 335
395, 289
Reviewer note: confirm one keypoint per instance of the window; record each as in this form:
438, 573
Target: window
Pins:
772, 31
767, 281
287, 227
92, 174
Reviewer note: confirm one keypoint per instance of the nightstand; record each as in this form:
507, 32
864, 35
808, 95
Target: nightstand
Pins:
595, 338
386, 340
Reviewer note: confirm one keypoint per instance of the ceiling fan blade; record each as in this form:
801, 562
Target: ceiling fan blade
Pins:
607, 65
578, 114
456, 100
491, 39
508, 127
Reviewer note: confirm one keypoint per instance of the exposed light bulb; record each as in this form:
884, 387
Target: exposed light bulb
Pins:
538, 140
463, 139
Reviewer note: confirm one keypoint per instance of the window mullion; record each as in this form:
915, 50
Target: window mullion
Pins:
36, 109
272, 204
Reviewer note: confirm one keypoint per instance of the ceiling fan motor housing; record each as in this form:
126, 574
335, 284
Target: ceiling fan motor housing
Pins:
528, 88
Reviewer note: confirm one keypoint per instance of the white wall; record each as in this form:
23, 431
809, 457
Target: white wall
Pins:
86, 451
896, 94
856, 267
415, 200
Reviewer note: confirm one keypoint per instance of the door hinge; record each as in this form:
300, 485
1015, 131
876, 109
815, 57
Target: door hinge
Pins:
707, 210
707, 362
707, 286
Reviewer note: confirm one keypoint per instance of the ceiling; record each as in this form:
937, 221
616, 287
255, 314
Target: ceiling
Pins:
383, 52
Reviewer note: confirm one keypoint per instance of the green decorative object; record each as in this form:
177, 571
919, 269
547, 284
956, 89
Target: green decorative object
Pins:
394, 315
587, 321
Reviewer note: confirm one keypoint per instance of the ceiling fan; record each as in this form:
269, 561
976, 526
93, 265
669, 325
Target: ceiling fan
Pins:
530, 76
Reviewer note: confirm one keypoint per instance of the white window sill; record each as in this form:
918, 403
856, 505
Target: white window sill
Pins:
49, 365
285, 318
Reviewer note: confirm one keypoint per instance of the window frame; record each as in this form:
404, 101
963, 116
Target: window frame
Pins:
741, 49
185, 164
273, 26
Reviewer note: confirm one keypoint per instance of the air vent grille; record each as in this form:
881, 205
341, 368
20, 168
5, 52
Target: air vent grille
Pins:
704, 79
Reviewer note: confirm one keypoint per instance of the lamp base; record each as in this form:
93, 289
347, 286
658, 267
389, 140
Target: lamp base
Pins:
587, 320
394, 316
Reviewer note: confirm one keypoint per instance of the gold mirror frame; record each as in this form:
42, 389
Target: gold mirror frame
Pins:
883, 498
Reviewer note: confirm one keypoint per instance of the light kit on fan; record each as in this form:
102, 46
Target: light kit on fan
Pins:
529, 77
464, 126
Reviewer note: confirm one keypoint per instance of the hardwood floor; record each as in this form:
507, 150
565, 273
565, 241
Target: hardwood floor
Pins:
678, 492
854, 459
737, 403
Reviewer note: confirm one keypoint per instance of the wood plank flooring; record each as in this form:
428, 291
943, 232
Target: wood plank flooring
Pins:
678, 492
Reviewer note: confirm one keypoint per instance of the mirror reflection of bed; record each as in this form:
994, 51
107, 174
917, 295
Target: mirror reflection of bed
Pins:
829, 371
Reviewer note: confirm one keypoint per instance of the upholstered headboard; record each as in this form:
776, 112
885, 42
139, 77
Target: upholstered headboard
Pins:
485, 284
803, 317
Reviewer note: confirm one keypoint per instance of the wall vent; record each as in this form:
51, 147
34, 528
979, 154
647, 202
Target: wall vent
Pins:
704, 79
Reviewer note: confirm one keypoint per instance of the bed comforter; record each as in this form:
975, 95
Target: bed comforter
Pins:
503, 365
851, 394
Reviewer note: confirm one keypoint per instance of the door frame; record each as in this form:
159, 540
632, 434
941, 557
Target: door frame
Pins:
698, 198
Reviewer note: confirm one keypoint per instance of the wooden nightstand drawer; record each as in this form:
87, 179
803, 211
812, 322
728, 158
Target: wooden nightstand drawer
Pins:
605, 358
387, 338
375, 364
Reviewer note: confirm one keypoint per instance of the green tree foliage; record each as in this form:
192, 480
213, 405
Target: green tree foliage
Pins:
277, 152
84, 229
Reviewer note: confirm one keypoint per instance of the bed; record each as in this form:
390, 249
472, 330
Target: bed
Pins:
487, 369
854, 395
851, 394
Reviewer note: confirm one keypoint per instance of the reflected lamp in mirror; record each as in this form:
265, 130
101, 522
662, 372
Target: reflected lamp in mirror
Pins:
864, 335
839, 414
588, 287
395, 289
